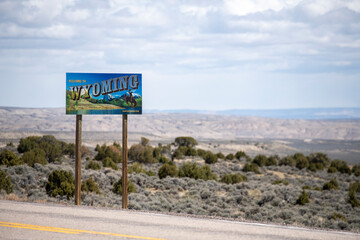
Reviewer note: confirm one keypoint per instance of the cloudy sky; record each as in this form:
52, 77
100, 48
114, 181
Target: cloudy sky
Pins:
203, 54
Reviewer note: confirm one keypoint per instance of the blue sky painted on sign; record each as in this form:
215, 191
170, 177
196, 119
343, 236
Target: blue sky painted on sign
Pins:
206, 54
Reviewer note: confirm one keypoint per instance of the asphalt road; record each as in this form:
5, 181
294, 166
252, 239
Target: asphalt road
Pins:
20, 220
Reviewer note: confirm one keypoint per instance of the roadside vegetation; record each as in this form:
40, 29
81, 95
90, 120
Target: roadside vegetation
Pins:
181, 177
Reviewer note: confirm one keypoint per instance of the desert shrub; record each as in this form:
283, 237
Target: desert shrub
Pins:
303, 198
280, 181
251, 167
241, 154
85, 151
272, 161
318, 161
141, 153
144, 141
90, 186
356, 170
353, 189
201, 153
210, 158
163, 159
117, 187
332, 184
332, 170
5, 182
301, 161
70, 150
260, 160
138, 168
190, 151
193, 170
167, 169
9, 158
60, 182
113, 152
306, 187
220, 155
10, 144
233, 178
340, 166
230, 156
33, 156
186, 141
178, 154
52, 147
157, 153
287, 161
93, 165
338, 216
108, 162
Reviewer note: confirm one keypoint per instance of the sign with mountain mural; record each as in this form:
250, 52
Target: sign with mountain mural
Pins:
103, 93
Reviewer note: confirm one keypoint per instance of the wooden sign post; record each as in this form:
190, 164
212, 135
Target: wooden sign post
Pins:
103, 93
124, 162
78, 160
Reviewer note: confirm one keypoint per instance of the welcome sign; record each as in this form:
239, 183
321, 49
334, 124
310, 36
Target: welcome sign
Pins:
103, 93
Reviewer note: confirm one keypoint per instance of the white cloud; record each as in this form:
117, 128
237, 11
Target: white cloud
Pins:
245, 7
197, 40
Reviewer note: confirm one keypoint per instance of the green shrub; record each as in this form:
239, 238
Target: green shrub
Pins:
60, 182
333, 184
201, 153
190, 151
33, 156
332, 170
186, 141
230, 156
117, 187
144, 141
287, 161
136, 168
241, 154
281, 181
306, 187
5, 182
9, 158
318, 161
178, 154
353, 189
210, 158
220, 155
303, 198
193, 170
90, 186
233, 178
340, 166
163, 159
113, 152
141, 153
260, 160
338, 216
356, 170
272, 161
301, 161
167, 169
70, 150
10, 144
108, 162
93, 165
53, 148
251, 167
